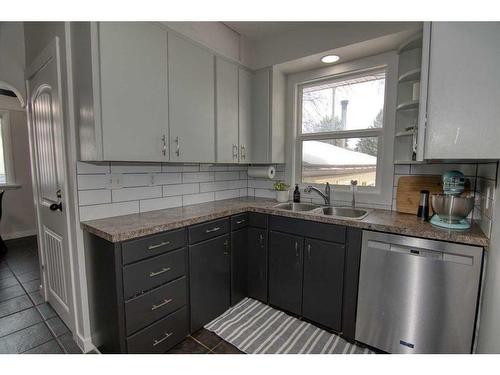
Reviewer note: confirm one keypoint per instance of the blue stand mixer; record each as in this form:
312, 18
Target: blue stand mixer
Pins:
452, 208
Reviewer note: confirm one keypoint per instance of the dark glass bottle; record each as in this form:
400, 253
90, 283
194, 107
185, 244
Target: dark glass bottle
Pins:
296, 194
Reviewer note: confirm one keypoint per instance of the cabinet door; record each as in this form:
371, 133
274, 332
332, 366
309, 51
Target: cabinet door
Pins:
239, 249
463, 79
133, 91
191, 101
285, 271
226, 87
261, 133
246, 151
209, 275
257, 263
323, 283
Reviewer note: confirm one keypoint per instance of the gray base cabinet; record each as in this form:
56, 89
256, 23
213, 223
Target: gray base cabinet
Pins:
148, 294
257, 264
138, 292
285, 271
323, 283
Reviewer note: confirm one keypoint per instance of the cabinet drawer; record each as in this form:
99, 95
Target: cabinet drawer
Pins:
151, 306
146, 247
160, 336
239, 221
258, 220
321, 231
147, 274
204, 231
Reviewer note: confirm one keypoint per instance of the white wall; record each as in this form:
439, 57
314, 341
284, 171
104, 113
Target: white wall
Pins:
12, 61
18, 213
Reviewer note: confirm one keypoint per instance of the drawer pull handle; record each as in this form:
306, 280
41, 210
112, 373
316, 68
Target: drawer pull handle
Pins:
212, 230
165, 302
167, 335
240, 221
152, 247
164, 269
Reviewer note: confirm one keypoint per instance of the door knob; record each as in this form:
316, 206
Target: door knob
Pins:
56, 206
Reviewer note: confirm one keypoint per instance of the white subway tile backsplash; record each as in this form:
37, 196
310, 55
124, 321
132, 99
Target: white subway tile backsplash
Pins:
93, 181
167, 178
135, 167
136, 193
197, 177
439, 169
111, 189
261, 184
227, 194
197, 198
92, 168
89, 197
180, 189
136, 179
159, 203
224, 176
108, 210
171, 168
214, 186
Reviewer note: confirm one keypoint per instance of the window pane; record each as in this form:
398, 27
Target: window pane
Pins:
338, 161
352, 104
3, 178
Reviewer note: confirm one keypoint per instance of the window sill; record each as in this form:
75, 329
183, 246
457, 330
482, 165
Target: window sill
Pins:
9, 186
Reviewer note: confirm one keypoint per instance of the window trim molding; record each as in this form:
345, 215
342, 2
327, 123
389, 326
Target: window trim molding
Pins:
6, 134
381, 195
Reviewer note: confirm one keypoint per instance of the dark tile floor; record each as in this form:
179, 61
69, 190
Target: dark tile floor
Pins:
27, 323
204, 342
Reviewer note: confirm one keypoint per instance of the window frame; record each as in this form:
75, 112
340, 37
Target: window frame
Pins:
379, 196
5, 133
340, 134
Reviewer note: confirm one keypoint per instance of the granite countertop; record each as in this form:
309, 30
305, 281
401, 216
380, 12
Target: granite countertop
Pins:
121, 228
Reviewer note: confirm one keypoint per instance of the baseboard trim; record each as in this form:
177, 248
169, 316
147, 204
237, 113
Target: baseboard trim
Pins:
15, 235
85, 344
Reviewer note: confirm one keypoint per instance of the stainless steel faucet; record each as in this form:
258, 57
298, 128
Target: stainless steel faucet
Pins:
325, 195
354, 184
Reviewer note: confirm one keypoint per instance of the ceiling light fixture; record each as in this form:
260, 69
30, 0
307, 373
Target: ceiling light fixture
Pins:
328, 59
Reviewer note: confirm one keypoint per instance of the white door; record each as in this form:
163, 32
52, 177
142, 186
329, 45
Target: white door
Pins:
48, 158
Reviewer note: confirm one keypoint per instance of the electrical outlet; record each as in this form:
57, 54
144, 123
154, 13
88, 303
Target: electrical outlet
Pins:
115, 181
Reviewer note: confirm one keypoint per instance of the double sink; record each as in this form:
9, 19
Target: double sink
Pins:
339, 212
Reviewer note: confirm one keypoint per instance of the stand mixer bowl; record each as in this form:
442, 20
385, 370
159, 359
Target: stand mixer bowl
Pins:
450, 208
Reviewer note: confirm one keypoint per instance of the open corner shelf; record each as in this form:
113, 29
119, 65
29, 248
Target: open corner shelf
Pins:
412, 75
397, 162
412, 104
414, 42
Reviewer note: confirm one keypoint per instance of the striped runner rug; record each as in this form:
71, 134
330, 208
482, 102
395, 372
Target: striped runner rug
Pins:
256, 328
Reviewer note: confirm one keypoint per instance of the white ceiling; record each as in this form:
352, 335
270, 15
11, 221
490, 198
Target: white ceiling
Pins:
259, 30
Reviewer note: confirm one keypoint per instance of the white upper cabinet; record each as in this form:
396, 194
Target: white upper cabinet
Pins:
268, 102
463, 115
191, 101
245, 114
120, 71
226, 86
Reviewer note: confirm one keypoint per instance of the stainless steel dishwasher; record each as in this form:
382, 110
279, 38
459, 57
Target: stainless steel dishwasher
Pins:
416, 295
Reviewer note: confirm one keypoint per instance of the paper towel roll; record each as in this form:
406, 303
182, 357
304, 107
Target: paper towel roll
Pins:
262, 172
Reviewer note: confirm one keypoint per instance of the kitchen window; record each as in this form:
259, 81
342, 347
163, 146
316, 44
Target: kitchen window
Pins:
341, 122
343, 128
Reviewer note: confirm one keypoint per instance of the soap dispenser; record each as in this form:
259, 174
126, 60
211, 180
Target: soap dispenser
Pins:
296, 194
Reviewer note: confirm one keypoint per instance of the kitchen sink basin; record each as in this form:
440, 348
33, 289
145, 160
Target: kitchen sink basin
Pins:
297, 206
344, 212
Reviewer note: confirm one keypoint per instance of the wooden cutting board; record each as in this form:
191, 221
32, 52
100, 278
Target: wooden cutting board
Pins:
408, 192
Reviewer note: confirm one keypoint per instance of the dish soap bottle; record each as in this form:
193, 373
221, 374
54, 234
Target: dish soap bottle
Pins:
296, 194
